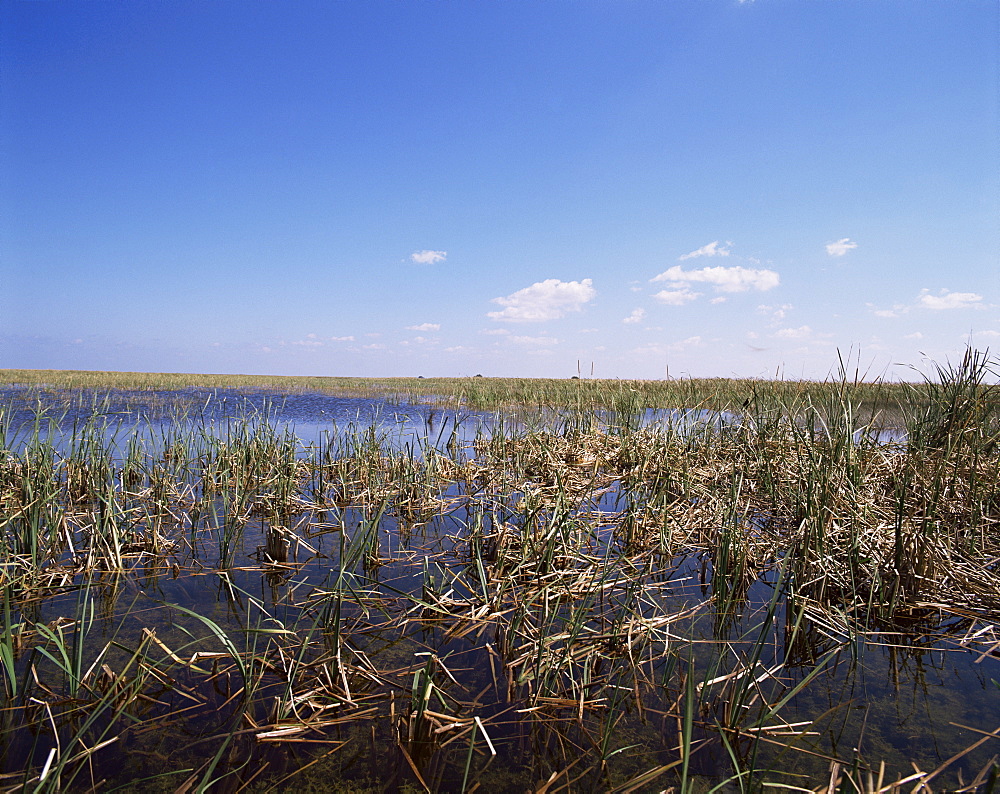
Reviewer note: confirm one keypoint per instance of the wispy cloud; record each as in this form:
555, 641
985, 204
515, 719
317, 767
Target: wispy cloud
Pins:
544, 300
635, 317
661, 349
776, 313
651, 349
424, 327
841, 246
312, 340
802, 332
691, 341
949, 300
534, 340
676, 297
942, 301
428, 257
897, 310
712, 249
724, 279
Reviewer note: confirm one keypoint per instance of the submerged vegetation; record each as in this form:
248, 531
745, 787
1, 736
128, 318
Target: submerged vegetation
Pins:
590, 598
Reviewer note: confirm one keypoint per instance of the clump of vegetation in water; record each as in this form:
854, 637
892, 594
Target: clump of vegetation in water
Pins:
585, 601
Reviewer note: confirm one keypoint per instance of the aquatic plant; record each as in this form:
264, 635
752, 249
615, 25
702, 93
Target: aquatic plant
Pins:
603, 598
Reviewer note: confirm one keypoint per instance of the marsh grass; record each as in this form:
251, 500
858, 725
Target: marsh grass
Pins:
612, 604
577, 397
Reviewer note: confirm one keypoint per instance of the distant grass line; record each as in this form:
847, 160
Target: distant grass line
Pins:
494, 393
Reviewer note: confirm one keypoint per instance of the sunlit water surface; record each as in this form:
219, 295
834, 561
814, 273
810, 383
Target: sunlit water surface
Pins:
918, 699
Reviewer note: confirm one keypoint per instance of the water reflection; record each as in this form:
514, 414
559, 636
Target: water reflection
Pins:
442, 611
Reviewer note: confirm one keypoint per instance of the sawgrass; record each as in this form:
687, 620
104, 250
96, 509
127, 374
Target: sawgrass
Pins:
621, 599
496, 393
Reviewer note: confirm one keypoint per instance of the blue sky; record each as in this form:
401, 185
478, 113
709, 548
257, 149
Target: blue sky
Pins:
499, 187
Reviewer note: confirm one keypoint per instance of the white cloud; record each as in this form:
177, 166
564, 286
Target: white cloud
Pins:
914, 335
544, 300
534, 340
943, 300
724, 279
341, 338
776, 313
495, 332
691, 341
712, 249
897, 310
428, 257
424, 327
949, 300
676, 297
375, 346
635, 317
794, 333
720, 299
841, 247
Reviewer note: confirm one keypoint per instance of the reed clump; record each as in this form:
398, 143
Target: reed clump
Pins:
612, 597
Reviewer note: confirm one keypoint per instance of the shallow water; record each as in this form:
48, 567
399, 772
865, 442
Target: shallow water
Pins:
918, 696
62, 414
871, 702
311, 417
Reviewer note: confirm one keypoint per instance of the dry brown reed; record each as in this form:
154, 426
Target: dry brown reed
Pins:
623, 606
